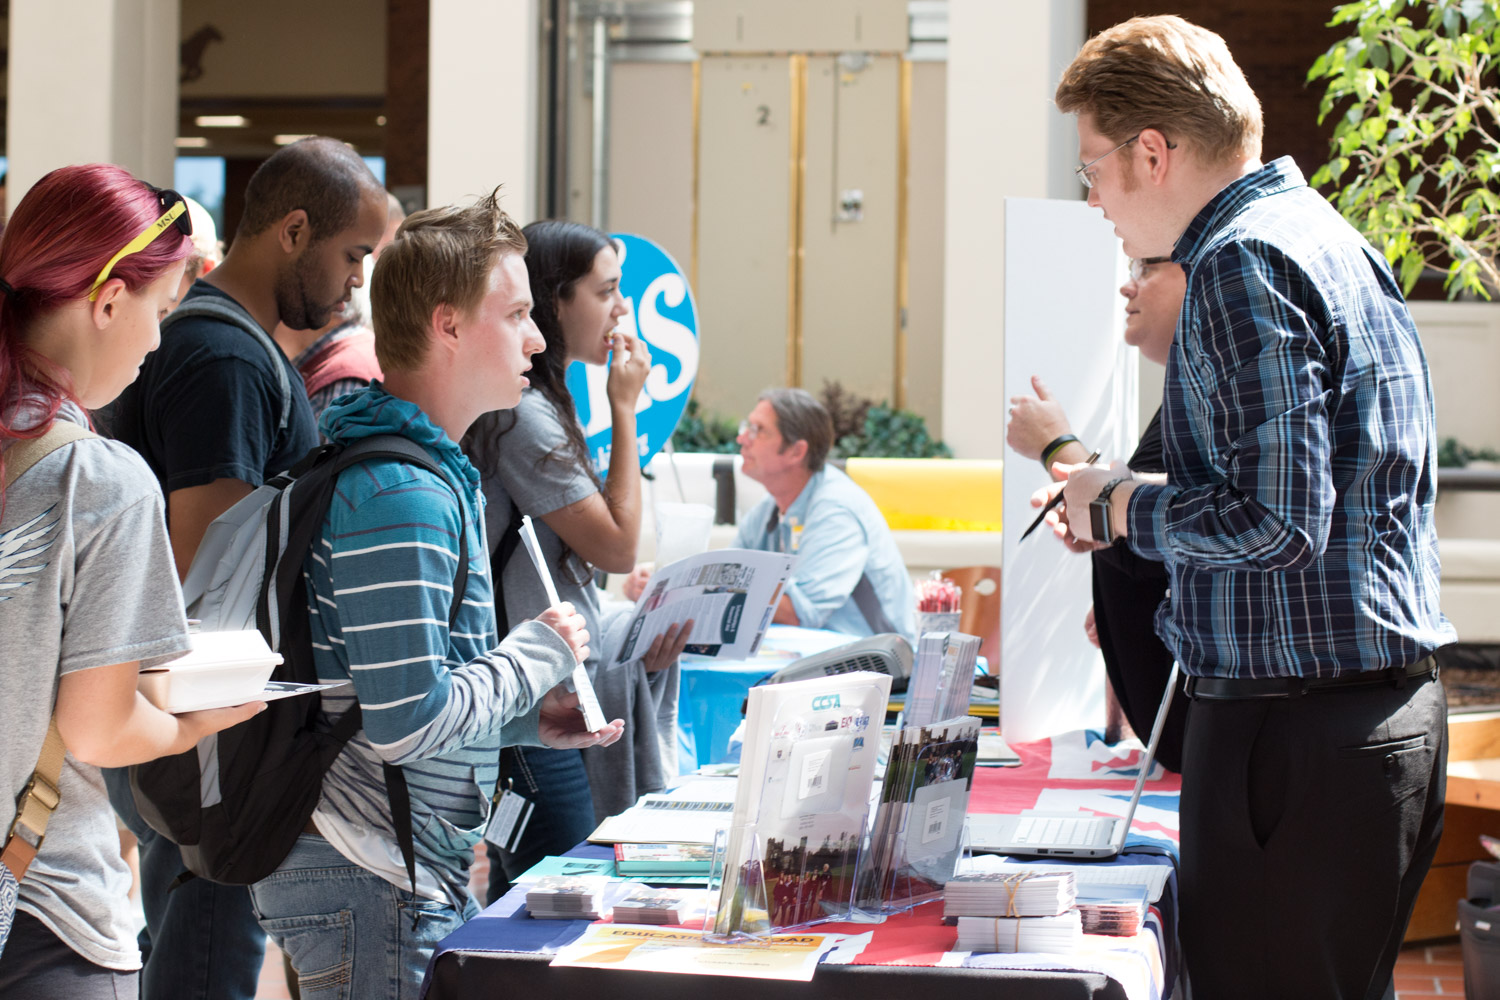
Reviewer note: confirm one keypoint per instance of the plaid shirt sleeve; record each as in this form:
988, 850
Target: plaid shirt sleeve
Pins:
1261, 368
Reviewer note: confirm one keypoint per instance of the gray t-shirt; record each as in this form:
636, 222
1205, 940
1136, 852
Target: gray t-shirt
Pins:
536, 472
86, 580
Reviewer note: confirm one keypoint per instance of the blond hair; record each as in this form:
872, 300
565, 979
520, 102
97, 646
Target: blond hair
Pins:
440, 256
1168, 74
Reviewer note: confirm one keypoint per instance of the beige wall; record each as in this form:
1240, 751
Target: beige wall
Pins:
289, 48
926, 193
651, 155
481, 110
113, 99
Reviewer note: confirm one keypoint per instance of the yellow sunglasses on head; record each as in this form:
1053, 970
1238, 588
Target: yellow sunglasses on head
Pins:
175, 214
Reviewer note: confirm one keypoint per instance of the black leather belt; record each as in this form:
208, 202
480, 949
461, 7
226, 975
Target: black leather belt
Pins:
1235, 688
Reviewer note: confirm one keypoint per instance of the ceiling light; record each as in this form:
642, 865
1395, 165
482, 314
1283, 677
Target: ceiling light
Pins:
190, 142
380, 119
221, 121
287, 140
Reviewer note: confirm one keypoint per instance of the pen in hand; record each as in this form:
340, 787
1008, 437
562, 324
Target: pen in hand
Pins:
1053, 503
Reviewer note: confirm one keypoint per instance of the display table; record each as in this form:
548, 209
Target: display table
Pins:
505, 951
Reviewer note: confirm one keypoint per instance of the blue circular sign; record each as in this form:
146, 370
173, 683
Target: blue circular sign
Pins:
660, 311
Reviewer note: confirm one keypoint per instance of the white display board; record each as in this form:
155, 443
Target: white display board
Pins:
1063, 321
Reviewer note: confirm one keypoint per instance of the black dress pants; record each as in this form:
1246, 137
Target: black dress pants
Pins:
1308, 824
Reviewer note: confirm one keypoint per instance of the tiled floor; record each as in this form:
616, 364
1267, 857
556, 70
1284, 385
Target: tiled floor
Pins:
1434, 970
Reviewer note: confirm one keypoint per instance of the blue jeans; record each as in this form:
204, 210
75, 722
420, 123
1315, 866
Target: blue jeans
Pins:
201, 940
562, 816
348, 932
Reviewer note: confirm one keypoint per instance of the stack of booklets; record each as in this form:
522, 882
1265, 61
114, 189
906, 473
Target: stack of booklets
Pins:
916, 840
802, 805
1041, 893
567, 897
663, 859
650, 906
1119, 910
942, 677
1015, 911
1059, 935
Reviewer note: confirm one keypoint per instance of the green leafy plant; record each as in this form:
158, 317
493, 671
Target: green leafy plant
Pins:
698, 431
1416, 145
1452, 454
891, 433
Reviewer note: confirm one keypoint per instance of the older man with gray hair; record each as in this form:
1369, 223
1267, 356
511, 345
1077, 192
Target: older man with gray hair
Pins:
849, 576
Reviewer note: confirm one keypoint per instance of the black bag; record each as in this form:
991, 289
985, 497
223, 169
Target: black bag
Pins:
1479, 931
237, 802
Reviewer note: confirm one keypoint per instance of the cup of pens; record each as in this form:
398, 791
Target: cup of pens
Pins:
937, 605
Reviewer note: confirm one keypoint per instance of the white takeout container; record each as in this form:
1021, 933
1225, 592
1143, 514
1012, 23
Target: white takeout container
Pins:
222, 669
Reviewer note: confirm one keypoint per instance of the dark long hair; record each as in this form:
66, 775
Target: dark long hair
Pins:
558, 255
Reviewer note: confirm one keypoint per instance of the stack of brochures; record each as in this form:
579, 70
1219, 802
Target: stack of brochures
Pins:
1059, 935
663, 859
650, 906
802, 805
567, 897
942, 677
1041, 893
1119, 910
915, 843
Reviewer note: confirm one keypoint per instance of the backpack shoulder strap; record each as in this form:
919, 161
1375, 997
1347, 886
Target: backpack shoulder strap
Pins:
227, 311
41, 796
26, 452
499, 559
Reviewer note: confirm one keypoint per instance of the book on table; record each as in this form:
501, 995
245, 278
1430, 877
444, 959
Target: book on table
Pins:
1037, 893
663, 859
729, 595
791, 852
1059, 935
917, 835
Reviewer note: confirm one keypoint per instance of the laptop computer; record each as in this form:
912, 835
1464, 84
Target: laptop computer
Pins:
1070, 835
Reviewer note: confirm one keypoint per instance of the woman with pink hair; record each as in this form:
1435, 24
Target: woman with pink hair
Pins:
89, 263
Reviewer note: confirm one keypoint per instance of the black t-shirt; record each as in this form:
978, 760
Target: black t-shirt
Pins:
207, 404
1127, 591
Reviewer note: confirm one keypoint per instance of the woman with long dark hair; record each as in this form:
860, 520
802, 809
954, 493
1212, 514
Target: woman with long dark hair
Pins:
89, 263
534, 460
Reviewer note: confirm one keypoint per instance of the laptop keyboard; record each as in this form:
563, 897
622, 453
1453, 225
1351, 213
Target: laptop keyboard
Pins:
1054, 830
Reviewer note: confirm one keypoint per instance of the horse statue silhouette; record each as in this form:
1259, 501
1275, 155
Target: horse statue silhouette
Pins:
193, 47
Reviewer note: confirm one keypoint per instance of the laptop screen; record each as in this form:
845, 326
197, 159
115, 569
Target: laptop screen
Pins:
1149, 759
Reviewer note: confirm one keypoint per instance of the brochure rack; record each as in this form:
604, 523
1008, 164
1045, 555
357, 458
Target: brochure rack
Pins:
918, 839
792, 854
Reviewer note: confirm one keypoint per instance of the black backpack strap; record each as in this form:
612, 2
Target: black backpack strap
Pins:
403, 449
499, 559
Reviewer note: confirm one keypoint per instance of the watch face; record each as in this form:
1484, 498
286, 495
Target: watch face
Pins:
1099, 520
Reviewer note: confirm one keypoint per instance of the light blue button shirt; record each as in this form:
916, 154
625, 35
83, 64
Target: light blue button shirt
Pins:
838, 535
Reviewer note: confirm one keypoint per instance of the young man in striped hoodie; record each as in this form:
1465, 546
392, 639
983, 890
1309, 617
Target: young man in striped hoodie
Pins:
452, 311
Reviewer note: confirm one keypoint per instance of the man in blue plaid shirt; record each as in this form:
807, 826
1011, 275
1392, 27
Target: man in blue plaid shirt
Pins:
1295, 520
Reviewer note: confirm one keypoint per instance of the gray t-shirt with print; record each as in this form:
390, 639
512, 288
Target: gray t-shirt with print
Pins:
86, 580
530, 465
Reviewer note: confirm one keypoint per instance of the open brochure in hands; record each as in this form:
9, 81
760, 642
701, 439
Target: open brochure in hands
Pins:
728, 594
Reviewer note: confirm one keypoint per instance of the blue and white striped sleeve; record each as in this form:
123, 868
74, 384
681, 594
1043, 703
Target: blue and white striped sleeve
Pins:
392, 563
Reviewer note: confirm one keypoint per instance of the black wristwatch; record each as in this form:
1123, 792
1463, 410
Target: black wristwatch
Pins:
1099, 519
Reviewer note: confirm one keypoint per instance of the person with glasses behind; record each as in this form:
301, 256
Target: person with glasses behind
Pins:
849, 575
89, 264
1127, 588
534, 461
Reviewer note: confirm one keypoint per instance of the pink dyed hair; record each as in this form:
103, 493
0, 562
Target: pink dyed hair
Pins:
59, 237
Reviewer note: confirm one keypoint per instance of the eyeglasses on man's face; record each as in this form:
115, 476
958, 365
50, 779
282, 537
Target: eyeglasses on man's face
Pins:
1140, 267
750, 431
1087, 174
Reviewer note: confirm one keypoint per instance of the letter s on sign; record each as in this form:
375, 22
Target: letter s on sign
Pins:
668, 335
